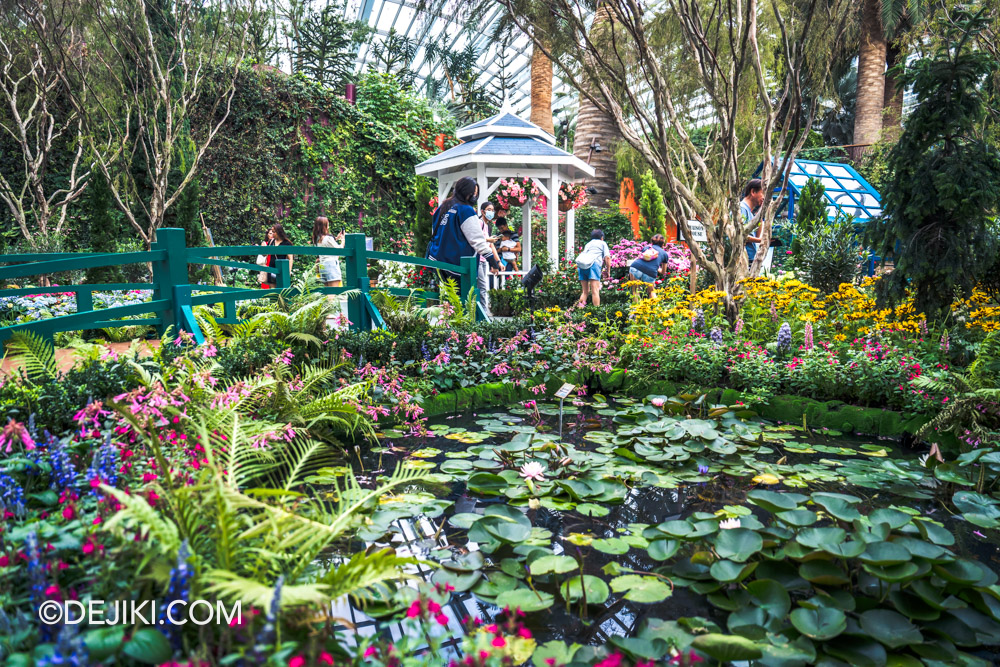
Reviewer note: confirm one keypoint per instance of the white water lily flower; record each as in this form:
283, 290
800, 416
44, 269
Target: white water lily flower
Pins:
533, 470
729, 523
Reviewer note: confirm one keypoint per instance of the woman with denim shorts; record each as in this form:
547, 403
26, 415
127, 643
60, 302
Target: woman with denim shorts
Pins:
646, 268
593, 262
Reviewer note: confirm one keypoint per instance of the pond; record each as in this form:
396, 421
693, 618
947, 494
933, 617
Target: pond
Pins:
779, 539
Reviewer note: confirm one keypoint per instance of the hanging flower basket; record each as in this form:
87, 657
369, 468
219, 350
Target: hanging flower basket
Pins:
514, 192
572, 196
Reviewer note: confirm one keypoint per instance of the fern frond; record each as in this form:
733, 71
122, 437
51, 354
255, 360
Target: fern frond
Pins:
37, 355
364, 571
232, 587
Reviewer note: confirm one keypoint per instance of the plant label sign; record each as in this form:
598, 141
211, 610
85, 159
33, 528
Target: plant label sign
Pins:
565, 390
698, 232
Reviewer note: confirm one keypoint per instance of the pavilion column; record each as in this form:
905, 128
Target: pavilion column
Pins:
552, 232
526, 234
443, 187
483, 183
570, 234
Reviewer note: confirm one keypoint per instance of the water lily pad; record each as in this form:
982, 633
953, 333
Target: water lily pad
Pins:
727, 571
611, 545
464, 520
823, 572
590, 509
738, 544
821, 623
553, 565
593, 588
525, 599
727, 648
638, 588
770, 596
890, 628
663, 549
487, 484
774, 501
884, 553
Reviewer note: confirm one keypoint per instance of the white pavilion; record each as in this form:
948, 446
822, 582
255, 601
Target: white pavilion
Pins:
506, 146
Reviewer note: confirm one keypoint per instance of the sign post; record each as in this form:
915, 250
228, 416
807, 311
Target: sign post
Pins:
561, 394
698, 235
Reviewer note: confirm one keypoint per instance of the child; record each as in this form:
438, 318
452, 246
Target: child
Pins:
508, 250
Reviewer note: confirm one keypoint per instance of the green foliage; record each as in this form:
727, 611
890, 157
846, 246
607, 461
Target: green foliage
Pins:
810, 208
652, 210
104, 228
424, 190
615, 224
328, 45
945, 177
827, 253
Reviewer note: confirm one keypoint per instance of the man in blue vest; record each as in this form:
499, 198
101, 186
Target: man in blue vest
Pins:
459, 232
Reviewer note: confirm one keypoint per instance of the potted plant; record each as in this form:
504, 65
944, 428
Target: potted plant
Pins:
572, 196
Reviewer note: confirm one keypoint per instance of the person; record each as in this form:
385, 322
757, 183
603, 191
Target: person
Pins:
276, 236
650, 264
593, 263
329, 266
753, 197
502, 225
508, 250
458, 232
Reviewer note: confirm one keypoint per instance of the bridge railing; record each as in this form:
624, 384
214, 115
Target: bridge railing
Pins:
174, 298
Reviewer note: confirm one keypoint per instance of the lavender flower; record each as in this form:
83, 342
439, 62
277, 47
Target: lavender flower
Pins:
104, 467
63, 474
774, 312
716, 335
923, 327
698, 321
784, 337
38, 580
180, 589
702, 470
809, 336
268, 633
11, 497
739, 325
945, 343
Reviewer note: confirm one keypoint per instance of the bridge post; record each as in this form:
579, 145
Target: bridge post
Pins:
469, 280
356, 265
283, 274
170, 278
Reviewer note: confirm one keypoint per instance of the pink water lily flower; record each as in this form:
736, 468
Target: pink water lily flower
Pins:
533, 470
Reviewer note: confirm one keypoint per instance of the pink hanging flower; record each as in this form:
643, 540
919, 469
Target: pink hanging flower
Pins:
16, 432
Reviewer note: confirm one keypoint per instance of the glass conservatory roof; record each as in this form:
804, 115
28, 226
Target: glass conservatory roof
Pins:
452, 23
846, 189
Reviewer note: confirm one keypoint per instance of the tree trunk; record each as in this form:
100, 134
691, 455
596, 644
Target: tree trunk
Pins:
871, 77
594, 125
892, 101
541, 90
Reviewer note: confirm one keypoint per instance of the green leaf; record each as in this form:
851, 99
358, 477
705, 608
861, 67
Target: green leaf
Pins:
727, 571
525, 599
884, 553
822, 623
727, 648
663, 549
797, 517
611, 545
641, 589
553, 565
738, 543
596, 590
890, 628
487, 484
774, 501
148, 646
770, 596
103, 643
823, 572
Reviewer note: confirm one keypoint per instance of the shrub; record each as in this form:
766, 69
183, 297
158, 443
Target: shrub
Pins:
652, 210
828, 254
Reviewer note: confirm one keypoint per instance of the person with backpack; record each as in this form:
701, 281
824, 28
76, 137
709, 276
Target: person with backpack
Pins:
458, 231
593, 262
650, 264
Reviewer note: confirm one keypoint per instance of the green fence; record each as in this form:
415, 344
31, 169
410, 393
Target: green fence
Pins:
174, 298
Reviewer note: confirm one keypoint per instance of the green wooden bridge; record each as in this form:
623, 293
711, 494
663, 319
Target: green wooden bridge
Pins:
174, 298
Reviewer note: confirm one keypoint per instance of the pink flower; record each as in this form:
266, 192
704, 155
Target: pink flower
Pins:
415, 610
297, 661
658, 402
88, 548
442, 620
499, 642
68, 512
325, 659
533, 470
13, 432
370, 651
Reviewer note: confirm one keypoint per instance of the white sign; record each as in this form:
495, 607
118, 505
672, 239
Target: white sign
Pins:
565, 390
698, 232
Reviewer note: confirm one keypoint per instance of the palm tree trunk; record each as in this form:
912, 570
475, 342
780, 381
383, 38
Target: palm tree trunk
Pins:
541, 90
892, 101
592, 125
871, 77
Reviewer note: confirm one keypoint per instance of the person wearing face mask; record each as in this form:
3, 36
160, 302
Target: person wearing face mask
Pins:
458, 232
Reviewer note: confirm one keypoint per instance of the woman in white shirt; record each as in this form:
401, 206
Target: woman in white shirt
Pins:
329, 266
593, 262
